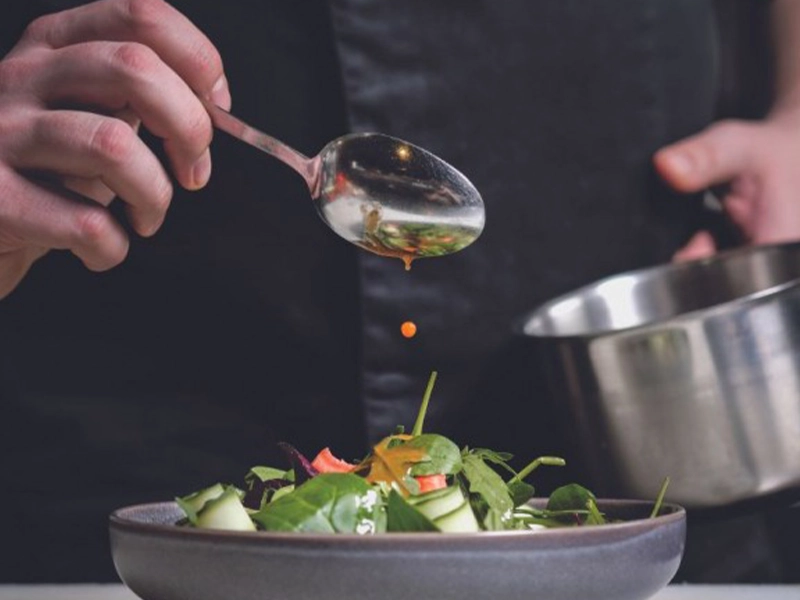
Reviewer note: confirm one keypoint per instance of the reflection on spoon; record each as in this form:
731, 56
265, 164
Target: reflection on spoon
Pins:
378, 192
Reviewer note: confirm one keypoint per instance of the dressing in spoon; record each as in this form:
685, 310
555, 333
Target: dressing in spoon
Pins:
379, 192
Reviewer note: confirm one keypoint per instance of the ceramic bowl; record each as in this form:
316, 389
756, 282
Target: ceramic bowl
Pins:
630, 560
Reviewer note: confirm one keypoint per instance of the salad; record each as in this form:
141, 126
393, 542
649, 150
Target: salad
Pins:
409, 482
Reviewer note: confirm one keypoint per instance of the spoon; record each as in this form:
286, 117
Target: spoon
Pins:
379, 192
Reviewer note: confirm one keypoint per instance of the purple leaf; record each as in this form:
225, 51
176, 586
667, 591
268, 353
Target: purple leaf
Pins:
303, 470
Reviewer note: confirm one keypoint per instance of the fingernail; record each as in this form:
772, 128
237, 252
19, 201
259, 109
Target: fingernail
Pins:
201, 171
153, 228
221, 93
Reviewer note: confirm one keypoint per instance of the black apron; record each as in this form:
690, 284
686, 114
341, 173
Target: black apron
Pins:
245, 321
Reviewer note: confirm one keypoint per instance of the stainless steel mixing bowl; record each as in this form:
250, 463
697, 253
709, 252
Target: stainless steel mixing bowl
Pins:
690, 371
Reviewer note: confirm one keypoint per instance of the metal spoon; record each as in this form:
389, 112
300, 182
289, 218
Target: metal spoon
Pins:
378, 192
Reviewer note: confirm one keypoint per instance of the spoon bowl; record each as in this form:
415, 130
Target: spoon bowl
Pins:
378, 192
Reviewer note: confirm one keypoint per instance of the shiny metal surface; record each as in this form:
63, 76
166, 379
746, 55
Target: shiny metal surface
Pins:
378, 192
689, 371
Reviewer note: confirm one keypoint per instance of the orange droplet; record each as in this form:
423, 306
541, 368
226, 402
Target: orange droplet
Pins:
408, 329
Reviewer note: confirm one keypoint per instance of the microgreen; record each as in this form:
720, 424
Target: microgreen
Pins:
418, 482
423, 409
660, 498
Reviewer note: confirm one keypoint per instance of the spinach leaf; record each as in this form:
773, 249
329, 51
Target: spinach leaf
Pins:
401, 516
520, 492
492, 456
570, 497
442, 456
577, 500
486, 483
327, 503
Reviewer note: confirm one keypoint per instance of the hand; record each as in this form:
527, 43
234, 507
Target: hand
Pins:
73, 92
760, 162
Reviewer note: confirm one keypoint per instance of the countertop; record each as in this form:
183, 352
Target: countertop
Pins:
672, 592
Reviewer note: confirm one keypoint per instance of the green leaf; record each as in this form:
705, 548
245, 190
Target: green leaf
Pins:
572, 500
492, 456
570, 497
327, 503
495, 521
484, 481
442, 456
287, 489
267, 473
520, 492
401, 516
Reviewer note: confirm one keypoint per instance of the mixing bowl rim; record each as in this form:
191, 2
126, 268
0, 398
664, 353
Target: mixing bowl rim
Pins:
753, 299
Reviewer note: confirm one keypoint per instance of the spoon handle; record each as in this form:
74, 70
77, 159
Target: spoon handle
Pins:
234, 126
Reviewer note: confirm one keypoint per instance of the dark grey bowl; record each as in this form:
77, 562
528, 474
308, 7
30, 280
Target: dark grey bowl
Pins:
623, 561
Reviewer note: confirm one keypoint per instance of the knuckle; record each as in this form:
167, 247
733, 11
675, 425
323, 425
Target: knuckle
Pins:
14, 73
94, 237
91, 226
12, 124
112, 141
39, 28
134, 60
208, 62
143, 15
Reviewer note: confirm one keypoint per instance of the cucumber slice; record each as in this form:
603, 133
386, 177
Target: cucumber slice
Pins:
427, 496
225, 512
461, 520
197, 500
440, 502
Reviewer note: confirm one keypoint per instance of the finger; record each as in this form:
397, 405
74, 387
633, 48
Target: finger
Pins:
91, 146
153, 23
131, 77
714, 156
701, 245
94, 189
130, 117
742, 211
34, 215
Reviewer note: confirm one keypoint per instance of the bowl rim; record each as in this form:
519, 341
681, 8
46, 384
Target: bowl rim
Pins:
124, 520
753, 299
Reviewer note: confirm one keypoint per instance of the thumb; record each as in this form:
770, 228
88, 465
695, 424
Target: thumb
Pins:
700, 246
714, 156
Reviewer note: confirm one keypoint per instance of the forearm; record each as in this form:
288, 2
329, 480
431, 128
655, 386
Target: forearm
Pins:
785, 25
